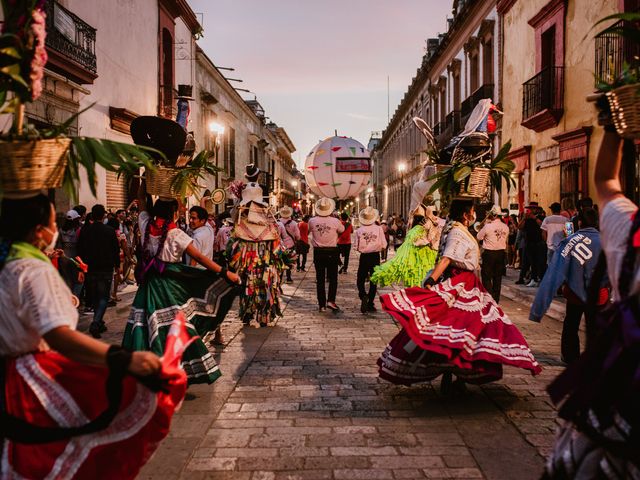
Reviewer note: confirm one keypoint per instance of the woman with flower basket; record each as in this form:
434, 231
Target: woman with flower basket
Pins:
452, 326
166, 285
49, 426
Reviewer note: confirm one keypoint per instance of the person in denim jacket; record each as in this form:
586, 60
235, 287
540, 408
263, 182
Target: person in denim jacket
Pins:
572, 266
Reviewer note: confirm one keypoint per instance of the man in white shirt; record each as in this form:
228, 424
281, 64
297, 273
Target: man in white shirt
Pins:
553, 229
202, 235
370, 240
493, 235
324, 230
221, 240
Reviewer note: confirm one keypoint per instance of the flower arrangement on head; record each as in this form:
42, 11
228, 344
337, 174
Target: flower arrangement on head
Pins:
33, 158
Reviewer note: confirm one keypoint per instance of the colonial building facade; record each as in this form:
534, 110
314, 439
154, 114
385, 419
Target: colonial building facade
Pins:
93, 66
459, 68
538, 61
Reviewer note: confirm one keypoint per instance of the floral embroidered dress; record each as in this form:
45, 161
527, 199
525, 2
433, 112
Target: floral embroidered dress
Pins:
455, 326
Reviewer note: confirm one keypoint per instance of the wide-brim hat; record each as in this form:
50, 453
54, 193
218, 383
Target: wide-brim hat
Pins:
160, 133
325, 207
251, 171
286, 212
495, 211
368, 216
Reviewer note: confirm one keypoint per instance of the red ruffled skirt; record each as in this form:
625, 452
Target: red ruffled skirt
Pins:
455, 327
49, 390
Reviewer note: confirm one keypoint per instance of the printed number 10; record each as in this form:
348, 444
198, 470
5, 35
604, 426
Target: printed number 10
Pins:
582, 253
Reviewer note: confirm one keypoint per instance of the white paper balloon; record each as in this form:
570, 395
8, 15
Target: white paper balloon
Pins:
335, 168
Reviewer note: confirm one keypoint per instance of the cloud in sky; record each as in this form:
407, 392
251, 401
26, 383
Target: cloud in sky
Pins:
321, 65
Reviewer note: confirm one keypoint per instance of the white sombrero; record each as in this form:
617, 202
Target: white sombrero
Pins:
368, 216
325, 207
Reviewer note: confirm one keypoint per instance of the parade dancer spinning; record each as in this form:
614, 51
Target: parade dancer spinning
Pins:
168, 286
453, 326
416, 256
70, 406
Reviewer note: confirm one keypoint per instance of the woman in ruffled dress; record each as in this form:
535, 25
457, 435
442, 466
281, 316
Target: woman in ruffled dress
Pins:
70, 406
168, 286
416, 256
452, 326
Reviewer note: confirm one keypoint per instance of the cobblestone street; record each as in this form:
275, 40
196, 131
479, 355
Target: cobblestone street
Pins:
302, 400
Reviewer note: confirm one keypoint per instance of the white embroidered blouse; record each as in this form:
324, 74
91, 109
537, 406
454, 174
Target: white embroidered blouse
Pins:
33, 301
174, 246
462, 249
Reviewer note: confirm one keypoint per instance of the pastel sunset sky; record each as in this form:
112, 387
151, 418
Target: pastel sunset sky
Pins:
321, 65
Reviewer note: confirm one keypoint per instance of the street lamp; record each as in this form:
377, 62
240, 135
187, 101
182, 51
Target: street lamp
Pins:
369, 192
401, 168
217, 130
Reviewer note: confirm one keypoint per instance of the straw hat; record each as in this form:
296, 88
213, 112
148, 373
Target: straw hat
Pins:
286, 212
495, 211
368, 216
325, 207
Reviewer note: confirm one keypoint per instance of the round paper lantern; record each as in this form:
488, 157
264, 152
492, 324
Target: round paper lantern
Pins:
338, 168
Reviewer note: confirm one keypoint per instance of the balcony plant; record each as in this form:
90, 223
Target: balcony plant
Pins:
622, 91
32, 159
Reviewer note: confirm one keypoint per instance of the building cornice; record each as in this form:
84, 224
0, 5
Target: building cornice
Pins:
547, 11
180, 8
503, 6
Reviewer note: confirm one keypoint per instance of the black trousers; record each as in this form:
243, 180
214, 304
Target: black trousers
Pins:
302, 261
345, 251
325, 260
368, 262
570, 343
493, 264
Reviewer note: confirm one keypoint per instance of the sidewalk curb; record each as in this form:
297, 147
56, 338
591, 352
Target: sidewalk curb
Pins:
556, 309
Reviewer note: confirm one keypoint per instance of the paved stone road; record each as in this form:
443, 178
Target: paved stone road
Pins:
302, 400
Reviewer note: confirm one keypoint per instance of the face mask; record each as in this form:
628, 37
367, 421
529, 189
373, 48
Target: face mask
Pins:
54, 239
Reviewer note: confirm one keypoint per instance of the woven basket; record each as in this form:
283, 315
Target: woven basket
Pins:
625, 110
478, 185
32, 164
159, 182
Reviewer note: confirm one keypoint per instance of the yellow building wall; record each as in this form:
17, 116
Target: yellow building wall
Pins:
519, 65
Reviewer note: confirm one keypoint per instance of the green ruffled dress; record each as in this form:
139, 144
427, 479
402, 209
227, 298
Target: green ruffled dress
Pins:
410, 264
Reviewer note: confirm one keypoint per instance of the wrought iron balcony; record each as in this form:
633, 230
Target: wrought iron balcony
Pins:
71, 44
543, 99
612, 52
485, 91
438, 128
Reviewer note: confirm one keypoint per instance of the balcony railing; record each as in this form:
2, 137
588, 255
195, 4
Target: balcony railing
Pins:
485, 91
544, 92
73, 39
439, 127
612, 51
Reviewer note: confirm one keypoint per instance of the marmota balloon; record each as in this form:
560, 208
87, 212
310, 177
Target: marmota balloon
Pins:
338, 168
